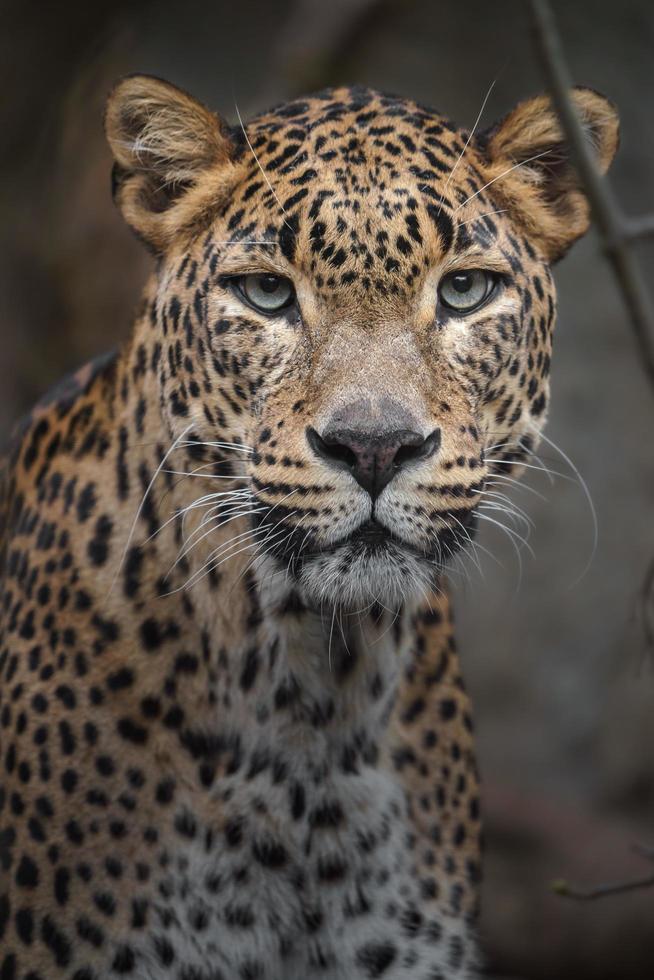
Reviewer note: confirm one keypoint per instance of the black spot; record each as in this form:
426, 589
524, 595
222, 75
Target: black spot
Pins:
119, 679
413, 710
270, 853
25, 925
538, 406
105, 903
132, 732
56, 941
165, 791
27, 873
5, 912
132, 571
234, 833
105, 765
239, 916
185, 824
164, 950
297, 800
86, 502
443, 224
375, 958
331, 868
250, 669
66, 695
61, 885
8, 967
447, 709
98, 546
124, 960
69, 780
288, 237
74, 832
151, 634
327, 816
89, 932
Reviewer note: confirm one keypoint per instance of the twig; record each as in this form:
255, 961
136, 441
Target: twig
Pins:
647, 605
614, 229
639, 227
566, 890
617, 231
563, 888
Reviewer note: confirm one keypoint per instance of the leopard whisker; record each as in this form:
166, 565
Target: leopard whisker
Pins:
589, 499
236, 446
263, 172
207, 476
201, 502
516, 166
515, 484
212, 563
223, 547
190, 544
139, 509
486, 214
467, 143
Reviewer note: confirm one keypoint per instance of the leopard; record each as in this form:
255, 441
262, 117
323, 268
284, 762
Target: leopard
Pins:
235, 741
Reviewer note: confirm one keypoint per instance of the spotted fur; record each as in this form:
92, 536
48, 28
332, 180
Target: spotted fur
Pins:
234, 739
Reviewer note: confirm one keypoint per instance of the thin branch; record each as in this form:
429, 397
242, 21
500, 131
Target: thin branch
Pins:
647, 605
606, 212
565, 890
639, 227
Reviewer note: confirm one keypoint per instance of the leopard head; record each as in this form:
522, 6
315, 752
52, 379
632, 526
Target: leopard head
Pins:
357, 293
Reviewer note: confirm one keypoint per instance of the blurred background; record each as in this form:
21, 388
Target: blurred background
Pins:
554, 654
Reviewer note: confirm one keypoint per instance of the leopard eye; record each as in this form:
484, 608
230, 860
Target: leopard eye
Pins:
466, 290
267, 293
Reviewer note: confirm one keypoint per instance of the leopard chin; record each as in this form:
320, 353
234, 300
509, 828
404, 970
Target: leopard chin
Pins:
371, 565
355, 578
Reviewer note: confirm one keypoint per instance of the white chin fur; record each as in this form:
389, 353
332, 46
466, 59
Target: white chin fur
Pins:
356, 580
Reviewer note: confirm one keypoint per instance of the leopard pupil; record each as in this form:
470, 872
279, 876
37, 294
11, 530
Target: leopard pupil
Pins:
269, 284
462, 283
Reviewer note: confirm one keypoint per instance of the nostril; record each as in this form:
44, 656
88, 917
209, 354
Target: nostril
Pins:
341, 453
431, 445
331, 450
411, 452
406, 454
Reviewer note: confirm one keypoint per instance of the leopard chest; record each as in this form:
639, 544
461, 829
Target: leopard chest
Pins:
289, 875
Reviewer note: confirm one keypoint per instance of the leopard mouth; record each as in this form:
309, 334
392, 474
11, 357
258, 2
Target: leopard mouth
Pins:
372, 539
371, 563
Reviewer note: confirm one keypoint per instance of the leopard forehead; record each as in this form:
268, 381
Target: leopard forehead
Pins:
361, 191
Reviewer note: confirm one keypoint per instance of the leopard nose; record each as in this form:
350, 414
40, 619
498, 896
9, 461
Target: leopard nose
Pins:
373, 458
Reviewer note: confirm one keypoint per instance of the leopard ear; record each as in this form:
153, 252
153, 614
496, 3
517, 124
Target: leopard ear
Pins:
174, 159
530, 166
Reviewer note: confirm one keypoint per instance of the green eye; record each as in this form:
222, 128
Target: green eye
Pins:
466, 290
267, 293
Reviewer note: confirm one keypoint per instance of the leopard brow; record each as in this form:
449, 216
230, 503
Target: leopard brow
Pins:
251, 262
245, 241
478, 259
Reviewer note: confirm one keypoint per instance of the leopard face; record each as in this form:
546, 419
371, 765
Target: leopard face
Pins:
355, 295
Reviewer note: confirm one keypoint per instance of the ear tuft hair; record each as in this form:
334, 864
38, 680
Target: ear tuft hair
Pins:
529, 162
173, 158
